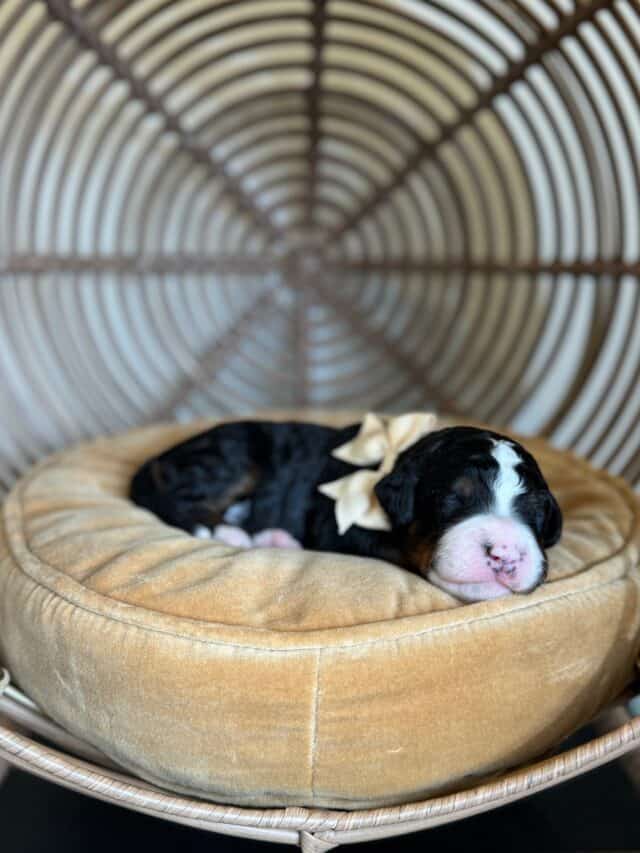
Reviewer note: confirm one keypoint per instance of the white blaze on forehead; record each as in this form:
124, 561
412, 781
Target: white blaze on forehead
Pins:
508, 484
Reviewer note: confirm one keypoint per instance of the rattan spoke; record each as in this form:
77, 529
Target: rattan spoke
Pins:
212, 360
139, 265
318, 20
456, 266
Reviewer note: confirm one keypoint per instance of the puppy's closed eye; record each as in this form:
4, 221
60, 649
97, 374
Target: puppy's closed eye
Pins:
463, 487
539, 509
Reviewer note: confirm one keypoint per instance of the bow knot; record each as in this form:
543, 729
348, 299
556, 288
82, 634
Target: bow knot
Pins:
379, 440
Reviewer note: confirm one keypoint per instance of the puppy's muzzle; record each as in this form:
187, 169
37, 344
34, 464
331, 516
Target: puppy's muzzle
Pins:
488, 556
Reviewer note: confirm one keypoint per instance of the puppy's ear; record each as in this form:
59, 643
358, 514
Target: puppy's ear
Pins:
552, 522
396, 493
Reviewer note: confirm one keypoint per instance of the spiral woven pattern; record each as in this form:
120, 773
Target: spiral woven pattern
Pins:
210, 206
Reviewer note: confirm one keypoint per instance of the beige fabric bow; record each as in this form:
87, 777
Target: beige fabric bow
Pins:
379, 440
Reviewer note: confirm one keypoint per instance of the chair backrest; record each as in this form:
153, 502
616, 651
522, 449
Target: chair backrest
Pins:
210, 207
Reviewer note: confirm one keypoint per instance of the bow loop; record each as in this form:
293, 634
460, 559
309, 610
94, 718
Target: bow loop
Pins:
379, 442
368, 447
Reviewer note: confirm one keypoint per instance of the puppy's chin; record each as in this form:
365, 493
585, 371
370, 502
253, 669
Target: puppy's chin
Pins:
486, 557
469, 591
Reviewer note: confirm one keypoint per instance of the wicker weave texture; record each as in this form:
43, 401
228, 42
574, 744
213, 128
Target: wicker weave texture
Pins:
211, 206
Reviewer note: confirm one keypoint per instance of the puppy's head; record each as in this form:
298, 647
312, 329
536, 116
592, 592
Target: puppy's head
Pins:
476, 512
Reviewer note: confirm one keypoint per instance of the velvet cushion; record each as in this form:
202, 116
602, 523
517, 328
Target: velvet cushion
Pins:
269, 677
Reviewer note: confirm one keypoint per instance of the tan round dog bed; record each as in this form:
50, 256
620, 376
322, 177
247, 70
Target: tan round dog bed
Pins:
270, 677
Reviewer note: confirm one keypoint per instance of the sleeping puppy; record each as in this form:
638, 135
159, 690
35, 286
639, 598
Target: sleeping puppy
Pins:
467, 508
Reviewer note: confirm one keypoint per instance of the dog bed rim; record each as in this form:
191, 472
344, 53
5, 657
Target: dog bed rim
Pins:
278, 640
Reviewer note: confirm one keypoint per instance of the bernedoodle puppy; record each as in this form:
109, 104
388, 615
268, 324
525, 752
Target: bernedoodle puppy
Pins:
467, 508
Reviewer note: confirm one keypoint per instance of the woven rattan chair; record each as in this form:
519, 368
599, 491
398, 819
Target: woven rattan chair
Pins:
211, 207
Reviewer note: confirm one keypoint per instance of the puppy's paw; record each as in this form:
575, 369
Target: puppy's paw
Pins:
230, 535
202, 532
275, 538
237, 513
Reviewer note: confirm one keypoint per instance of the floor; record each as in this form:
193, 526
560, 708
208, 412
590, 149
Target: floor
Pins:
598, 811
